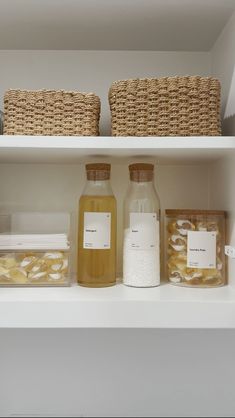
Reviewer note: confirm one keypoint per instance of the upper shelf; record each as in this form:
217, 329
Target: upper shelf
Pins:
113, 25
71, 150
118, 307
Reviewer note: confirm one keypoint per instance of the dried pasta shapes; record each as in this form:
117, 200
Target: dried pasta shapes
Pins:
195, 242
41, 268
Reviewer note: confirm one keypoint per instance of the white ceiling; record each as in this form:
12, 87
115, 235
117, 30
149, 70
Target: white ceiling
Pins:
113, 24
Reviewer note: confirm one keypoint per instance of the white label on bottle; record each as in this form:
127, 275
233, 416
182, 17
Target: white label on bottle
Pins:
144, 231
97, 230
201, 250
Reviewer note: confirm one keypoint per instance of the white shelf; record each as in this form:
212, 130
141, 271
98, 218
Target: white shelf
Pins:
71, 150
164, 307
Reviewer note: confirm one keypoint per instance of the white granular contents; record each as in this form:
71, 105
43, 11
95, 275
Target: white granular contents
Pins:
141, 268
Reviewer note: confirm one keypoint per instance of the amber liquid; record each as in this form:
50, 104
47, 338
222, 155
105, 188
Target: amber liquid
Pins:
97, 268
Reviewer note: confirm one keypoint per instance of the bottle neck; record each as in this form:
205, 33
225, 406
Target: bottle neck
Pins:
141, 197
98, 188
140, 185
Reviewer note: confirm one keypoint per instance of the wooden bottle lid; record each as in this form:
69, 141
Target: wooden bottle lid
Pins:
98, 167
98, 171
141, 172
194, 212
141, 167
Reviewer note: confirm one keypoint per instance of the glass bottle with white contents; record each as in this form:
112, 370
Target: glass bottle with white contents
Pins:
97, 229
141, 248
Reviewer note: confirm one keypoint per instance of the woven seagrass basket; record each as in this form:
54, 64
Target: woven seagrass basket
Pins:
168, 106
49, 112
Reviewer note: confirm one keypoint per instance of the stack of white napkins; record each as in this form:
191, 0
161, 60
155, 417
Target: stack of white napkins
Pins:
34, 242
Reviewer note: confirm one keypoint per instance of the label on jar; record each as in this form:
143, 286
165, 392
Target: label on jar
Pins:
201, 252
144, 231
97, 230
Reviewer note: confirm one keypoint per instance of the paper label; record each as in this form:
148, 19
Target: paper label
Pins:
201, 252
144, 231
97, 230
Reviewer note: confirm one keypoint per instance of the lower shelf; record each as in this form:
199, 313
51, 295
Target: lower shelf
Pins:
118, 307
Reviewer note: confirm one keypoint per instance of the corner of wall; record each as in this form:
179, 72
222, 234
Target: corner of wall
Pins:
223, 67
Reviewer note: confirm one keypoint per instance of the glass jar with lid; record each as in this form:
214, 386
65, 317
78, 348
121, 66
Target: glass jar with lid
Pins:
97, 229
141, 248
195, 247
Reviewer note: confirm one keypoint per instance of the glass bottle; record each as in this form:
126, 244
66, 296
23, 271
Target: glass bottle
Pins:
97, 229
141, 249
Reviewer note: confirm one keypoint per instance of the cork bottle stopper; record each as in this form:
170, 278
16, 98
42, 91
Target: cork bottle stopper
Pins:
98, 171
141, 172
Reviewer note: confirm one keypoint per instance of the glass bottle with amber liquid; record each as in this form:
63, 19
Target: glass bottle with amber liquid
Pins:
97, 229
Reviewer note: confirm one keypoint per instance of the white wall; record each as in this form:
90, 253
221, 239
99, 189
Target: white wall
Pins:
222, 196
93, 70
223, 67
222, 173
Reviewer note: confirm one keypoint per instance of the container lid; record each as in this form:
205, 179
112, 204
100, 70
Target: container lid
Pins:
98, 171
141, 166
34, 242
141, 172
194, 212
98, 167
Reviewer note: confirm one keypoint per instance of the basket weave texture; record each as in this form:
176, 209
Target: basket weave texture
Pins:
49, 112
168, 106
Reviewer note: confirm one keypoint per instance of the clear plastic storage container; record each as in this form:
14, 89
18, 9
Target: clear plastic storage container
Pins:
195, 247
34, 249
